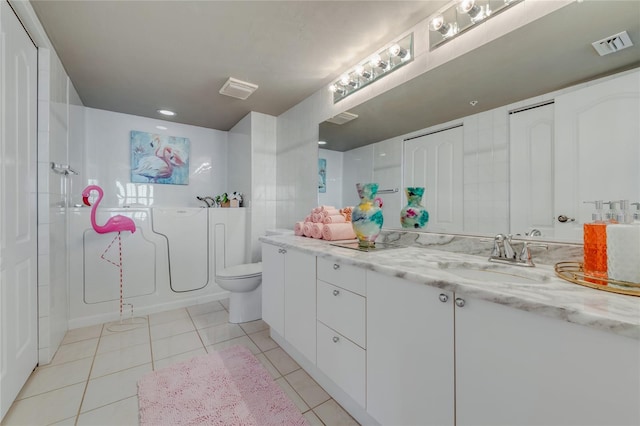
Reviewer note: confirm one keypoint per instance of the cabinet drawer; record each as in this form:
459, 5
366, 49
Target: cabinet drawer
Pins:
343, 362
343, 311
346, 276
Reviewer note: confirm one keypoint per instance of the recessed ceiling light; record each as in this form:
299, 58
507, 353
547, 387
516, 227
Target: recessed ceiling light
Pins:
322, 142
161, 127
166, 112
473, 103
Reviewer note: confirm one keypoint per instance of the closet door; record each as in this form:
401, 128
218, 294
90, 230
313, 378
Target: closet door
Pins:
532, 169
435, 162
18, 215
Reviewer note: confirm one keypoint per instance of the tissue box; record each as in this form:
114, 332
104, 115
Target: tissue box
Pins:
234, 203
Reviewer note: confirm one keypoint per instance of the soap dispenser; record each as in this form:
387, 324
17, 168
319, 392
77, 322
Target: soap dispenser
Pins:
595, 245
623, 248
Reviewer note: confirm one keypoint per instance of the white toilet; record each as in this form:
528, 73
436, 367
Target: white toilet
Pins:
243, 281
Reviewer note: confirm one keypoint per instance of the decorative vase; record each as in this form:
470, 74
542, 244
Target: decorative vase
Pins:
414, 215
366, 217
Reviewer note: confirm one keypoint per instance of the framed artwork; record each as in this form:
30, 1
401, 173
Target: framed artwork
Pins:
159, 159
322, 175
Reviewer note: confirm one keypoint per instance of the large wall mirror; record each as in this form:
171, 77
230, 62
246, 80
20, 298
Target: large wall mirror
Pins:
503, 139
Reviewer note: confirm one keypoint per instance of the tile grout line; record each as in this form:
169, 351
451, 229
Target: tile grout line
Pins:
86, 385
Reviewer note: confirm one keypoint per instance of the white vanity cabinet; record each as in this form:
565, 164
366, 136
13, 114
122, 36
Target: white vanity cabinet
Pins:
341, 326
517, 368
410, 358
289, 297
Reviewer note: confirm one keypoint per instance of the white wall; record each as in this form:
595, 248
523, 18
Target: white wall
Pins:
333, 194
108, 161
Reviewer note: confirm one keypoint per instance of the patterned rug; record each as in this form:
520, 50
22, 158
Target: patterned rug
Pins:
228, 387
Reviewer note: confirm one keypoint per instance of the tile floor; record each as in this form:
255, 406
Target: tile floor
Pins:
92, 377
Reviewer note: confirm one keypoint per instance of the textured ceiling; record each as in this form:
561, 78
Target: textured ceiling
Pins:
137, 56
546, 55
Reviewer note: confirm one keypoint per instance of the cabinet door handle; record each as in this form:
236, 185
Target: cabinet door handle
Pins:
336, 266
336, 292
460, 302
443, 297
335, 339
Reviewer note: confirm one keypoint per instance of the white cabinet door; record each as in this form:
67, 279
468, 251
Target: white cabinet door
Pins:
435, 162
517, 368
18, 208
273, 287
300, 302
597, 149
410, 359
531, 147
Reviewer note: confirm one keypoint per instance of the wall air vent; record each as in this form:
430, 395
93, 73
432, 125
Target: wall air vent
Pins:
612, 43
238, 89
342, 118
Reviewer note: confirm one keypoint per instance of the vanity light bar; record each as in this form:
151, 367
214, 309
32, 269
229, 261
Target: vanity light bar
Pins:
375, 67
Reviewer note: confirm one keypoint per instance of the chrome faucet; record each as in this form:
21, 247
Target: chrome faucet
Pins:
534, 233
204, 200
503, 251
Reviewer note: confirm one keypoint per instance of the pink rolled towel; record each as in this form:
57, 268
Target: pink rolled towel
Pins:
337, 218
297, 229
317, 218
332, 212
316, 230
306, 229
338, 231
308, 219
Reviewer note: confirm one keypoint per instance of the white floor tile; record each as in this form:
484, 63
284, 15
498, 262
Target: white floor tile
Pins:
112, 388
254, 326
268, 366
83, 333
263, 340
165, 362
331, 413
242, 341
225, 303
175, 345
46, 408
286, 387
114, 361
171, 328
168, 316
211, 319
50, 377
313, 420
205, 308
282, 361
307, 388
121, 413
117, 341
75, 351
220, 333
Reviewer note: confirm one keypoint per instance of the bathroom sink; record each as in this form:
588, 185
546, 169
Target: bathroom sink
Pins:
495, 274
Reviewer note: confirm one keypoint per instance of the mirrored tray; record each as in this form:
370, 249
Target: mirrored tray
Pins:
573, 272
353, 245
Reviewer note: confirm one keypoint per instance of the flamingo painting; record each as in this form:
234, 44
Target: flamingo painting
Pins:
159, 159
155, 167
116, 223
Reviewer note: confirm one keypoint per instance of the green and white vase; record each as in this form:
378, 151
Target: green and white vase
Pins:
366, 217
414, 215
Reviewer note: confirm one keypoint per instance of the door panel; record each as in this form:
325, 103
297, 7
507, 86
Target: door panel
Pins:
18, 214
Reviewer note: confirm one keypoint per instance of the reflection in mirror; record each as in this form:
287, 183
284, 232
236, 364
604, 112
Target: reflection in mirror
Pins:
390, 141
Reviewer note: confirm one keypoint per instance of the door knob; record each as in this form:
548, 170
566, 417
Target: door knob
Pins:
335, 339
336, 266
443, 297
562, 218
460, 302
336, 292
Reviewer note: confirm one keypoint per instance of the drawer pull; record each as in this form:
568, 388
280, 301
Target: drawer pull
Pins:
336, 266
443, 297
459, 302
335, 339
336, 292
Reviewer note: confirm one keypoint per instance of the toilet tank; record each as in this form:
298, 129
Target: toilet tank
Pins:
229, 233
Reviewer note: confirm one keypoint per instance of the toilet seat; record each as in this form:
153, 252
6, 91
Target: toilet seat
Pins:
238, 272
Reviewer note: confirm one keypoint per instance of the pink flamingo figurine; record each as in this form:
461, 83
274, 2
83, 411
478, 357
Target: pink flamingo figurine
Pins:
117, 224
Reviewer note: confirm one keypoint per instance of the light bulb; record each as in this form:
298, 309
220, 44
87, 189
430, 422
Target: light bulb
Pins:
345, 80
376, 61
396, 50
436, 23
470, 8
362, 72
333, 88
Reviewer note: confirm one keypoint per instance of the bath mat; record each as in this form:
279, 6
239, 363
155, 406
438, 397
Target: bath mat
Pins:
226, 388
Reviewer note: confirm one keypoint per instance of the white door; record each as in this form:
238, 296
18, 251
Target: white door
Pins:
18, 215
531, 139
435, 162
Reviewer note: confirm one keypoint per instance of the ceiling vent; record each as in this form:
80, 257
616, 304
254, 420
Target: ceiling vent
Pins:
238, 89
612, 43
342, 118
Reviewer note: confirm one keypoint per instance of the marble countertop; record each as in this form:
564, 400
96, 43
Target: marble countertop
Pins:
536, 290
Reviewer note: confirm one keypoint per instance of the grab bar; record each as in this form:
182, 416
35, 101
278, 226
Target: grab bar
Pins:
63, 169
388, 191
